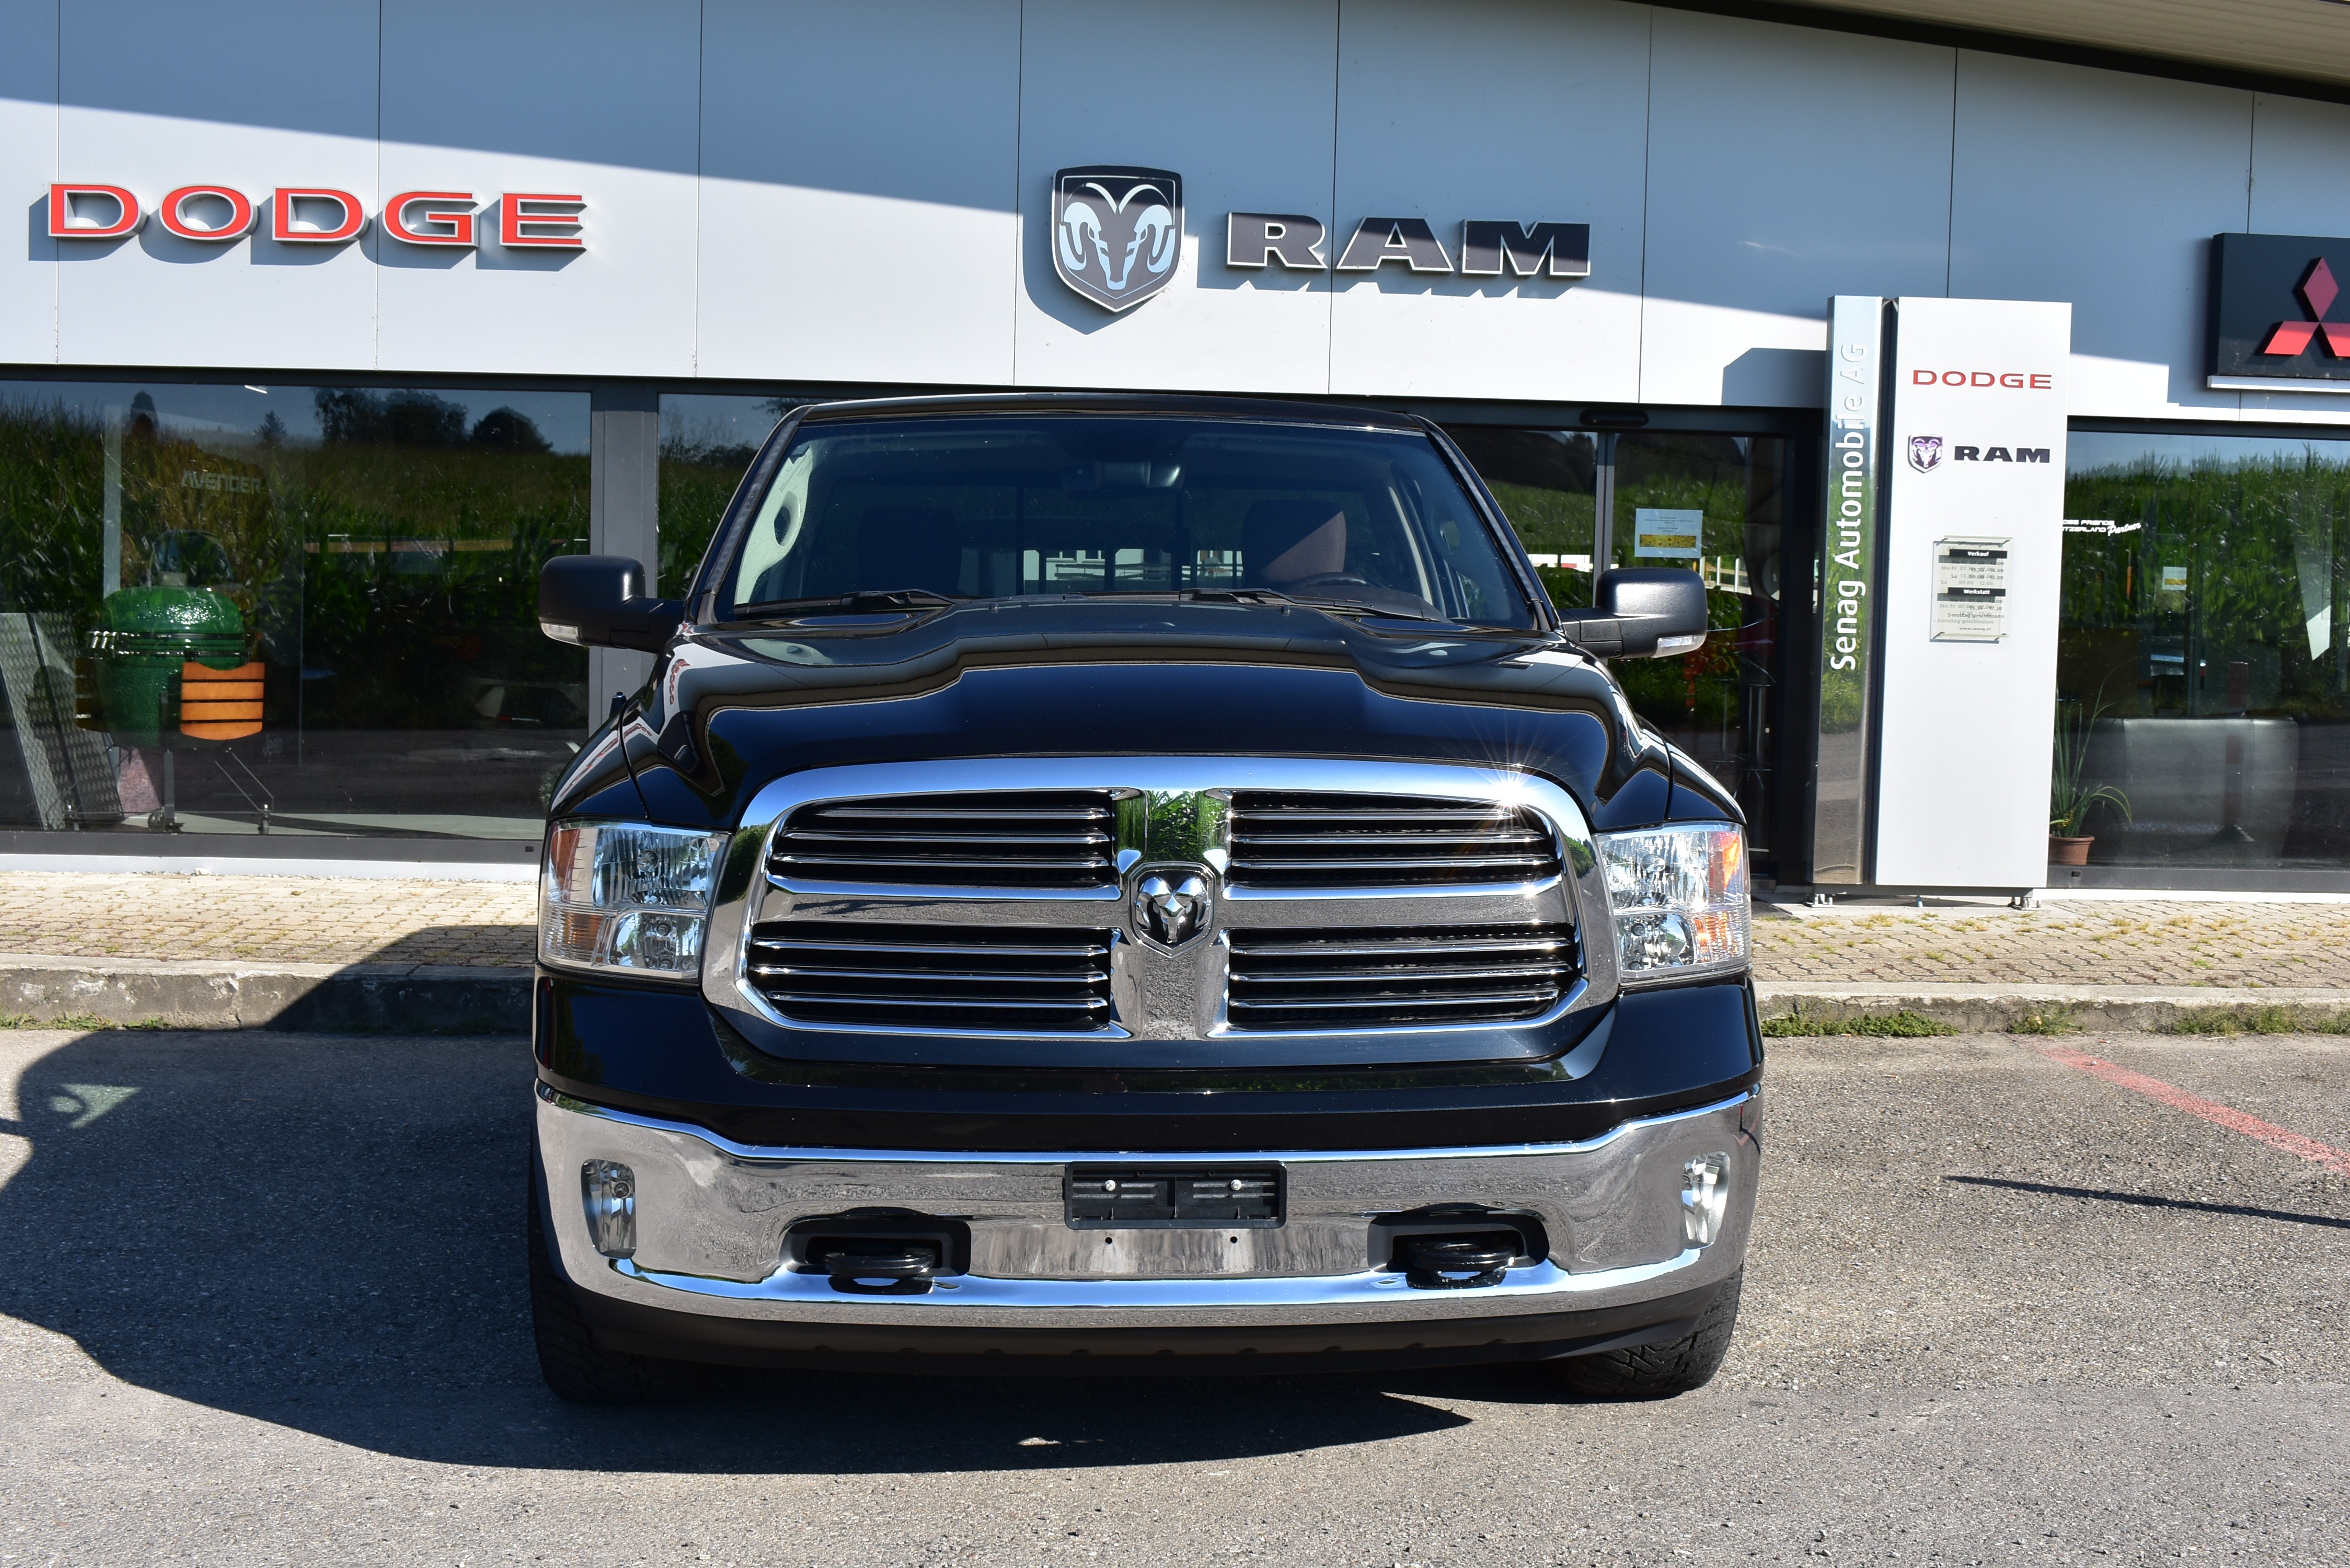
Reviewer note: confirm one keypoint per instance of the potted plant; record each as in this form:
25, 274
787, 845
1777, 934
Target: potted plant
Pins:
2069, 799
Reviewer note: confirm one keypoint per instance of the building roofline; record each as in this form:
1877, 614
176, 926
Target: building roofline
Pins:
2322, 84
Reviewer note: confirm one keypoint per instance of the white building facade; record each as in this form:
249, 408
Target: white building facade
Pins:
595, 247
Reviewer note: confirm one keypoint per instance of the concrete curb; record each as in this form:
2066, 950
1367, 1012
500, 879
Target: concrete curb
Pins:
1991, 1009
412, 999
427, 999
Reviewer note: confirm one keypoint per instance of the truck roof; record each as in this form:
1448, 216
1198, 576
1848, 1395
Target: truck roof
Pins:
1350, 414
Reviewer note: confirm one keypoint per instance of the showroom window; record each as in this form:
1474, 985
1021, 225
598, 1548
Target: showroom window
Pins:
1705, 502
291, 608
2200, 686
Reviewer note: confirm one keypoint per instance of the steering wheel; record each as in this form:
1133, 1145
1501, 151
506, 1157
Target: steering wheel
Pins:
1328, 580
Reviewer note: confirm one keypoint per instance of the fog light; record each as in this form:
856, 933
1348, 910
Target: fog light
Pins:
611, 1190
1705, 1198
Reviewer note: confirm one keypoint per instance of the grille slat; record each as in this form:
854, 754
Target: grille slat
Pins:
1015, 839
1299, 839
931, 977
1395, 979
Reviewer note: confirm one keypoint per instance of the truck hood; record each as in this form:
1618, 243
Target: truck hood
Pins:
729, 712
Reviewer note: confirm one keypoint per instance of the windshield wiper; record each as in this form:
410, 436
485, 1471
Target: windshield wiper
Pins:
860, 600
1308, 601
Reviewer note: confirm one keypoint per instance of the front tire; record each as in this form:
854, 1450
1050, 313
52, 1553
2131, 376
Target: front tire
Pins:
1661, 1371
575, 1366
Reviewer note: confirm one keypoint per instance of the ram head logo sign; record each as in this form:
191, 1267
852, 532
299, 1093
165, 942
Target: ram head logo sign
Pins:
1924, 451
1118, 232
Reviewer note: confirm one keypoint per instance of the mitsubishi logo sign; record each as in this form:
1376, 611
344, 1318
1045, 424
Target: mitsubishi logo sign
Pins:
2271, 295
2316, 290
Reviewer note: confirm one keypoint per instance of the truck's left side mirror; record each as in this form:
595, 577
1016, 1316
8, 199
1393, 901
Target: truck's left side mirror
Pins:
600, 601
1642, 612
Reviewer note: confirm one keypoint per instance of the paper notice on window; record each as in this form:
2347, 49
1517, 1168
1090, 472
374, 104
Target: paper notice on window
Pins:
1970, 591
1663, 534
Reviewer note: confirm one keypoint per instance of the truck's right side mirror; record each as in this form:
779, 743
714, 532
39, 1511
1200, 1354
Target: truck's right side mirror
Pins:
600, 601
1640, 612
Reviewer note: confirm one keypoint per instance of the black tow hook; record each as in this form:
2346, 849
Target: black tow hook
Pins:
881, 1267
1457, 1262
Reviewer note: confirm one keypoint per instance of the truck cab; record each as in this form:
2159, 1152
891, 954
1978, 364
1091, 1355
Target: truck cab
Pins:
1122, 882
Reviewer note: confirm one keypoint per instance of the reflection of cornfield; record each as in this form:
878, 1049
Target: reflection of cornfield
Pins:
2254, 552
696, 482
389, 581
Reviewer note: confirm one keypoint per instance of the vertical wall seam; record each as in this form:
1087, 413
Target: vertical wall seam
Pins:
2252, 174
1019, 152
1330, 236
2251, 155
1951, 195
1647, 145
57, 172
376, 281
701, 117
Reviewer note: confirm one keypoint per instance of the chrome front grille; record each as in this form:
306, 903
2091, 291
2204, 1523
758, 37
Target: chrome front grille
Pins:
1048, 979
1028, 838
1386, 978
1302, 839
1024, 908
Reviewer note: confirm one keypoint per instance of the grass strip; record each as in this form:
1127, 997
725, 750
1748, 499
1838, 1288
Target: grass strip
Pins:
2274, 1018
1902, 1025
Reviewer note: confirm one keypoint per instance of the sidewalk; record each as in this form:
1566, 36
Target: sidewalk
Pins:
248, 949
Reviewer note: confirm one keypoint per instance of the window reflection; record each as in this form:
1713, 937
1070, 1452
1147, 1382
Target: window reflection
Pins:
305, 610
1708, 503
707, 440
2201, 669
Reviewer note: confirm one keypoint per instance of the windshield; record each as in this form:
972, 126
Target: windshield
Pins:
994, 507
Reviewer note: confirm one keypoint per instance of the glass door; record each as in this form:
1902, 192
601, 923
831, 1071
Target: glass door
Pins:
1710, 504
1713, 504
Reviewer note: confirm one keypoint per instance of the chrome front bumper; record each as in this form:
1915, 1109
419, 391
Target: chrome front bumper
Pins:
711, 1214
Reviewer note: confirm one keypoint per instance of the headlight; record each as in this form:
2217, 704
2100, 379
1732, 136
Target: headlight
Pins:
1678, 896
624, 896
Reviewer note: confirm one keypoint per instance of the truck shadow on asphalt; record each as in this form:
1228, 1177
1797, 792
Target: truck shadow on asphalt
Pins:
325, 1233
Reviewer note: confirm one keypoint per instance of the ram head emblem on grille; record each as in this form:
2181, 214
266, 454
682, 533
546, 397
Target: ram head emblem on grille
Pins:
1171, 912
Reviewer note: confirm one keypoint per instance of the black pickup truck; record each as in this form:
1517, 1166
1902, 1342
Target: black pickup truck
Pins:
1141, 883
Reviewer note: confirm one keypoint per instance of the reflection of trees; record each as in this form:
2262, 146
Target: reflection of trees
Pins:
2259, 539
396, 562
697, 481
52, 507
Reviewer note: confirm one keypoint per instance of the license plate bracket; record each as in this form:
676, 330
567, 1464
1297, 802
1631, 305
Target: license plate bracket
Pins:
1165, 1198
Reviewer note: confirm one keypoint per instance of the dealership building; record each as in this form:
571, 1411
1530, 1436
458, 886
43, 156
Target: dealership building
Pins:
1990, 362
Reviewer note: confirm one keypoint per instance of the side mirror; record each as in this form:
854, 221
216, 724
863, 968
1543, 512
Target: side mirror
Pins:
599, 601
1640, 612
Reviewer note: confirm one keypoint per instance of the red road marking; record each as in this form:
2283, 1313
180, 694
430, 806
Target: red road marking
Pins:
2269, 1133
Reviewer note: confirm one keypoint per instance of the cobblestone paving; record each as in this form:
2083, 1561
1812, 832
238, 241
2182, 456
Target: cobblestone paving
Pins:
283, 918
2172, 944
323, 920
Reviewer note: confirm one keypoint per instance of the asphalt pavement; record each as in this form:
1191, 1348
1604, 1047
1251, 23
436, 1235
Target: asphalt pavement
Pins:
263, 1304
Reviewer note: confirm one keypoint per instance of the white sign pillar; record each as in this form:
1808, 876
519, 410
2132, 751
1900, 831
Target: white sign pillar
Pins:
1974, 498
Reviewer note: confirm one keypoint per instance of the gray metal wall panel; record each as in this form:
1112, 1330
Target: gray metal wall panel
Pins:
254, 94
590, 97
2104, 190
857, 206
1237, 97
1515, 109
28, 153
1838, 181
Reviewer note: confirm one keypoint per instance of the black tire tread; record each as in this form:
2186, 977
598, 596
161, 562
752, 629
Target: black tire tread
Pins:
576, 1368
1661, 1371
